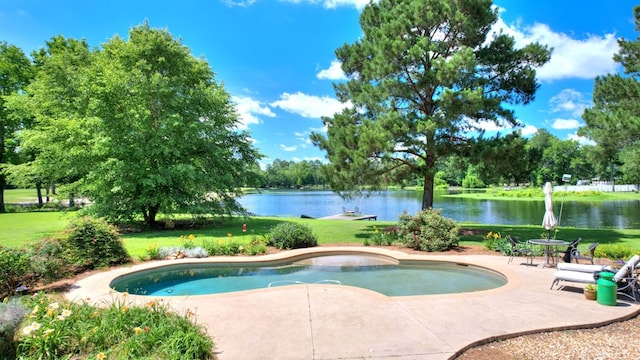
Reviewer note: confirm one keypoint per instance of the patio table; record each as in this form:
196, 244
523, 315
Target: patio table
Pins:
548, 250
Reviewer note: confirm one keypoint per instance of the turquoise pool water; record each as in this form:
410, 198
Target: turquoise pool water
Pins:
370, 272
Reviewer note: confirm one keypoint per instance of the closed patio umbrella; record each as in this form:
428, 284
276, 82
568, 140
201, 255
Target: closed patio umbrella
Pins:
549, 220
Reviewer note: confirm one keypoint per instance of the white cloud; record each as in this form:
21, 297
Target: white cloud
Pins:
565, 124
288, 148
309, 106
581, 139
241, 3
334, 72
332, 4
569, 101
322, 129
528, 130
571, 58
486, 125
248, 111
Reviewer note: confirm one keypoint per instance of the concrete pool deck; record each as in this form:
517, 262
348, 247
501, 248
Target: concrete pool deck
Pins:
321, 321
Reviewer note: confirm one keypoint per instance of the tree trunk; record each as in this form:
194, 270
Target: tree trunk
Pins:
613, 181
427, 194
39, 191
2, 184
149, 214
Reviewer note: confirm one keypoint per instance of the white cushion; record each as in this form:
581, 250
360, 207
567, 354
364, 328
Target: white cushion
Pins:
575, 276
580, 267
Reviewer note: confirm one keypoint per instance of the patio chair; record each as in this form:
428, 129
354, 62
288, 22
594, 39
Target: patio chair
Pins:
519, 248
626, 277
575, 255
570, 250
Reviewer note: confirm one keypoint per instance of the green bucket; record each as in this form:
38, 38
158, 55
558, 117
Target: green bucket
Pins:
607, 289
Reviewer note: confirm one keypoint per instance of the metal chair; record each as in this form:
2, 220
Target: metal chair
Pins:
519, 248
571, 249
575, 255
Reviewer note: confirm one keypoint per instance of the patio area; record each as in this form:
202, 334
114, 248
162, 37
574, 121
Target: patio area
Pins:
320, 321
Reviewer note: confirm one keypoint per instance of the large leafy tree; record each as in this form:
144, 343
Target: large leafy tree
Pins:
422, 76
614, 120
57, 146
149, 129
15, 73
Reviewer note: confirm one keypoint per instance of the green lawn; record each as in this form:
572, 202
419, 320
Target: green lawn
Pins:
17, 196
23, 229
538, 195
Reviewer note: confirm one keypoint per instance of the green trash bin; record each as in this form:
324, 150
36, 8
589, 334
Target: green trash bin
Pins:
607, 289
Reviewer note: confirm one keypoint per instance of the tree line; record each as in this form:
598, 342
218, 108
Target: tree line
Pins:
510, 160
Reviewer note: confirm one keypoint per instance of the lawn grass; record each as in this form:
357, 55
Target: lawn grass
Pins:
18, 196
23, 229
537, 195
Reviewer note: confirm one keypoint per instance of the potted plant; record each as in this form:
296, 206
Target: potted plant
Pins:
590, 291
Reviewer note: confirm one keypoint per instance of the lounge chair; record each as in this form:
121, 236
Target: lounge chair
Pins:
575, 255
519, 248
626, 277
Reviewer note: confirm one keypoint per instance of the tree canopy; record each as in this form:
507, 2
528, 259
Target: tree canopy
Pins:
139, 126
614, 120
15, 73
420, 80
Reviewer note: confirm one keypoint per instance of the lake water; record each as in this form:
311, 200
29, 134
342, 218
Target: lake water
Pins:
388, 205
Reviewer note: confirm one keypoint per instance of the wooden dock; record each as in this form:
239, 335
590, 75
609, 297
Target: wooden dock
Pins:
351, 217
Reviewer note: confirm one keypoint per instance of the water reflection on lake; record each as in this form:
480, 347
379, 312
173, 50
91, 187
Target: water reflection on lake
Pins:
388, 205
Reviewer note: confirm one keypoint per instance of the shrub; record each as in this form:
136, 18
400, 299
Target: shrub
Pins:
11, 314
257, 246
491, 240
614, 252
50, 260
122, 330
292, 236
428, 231
15, 270
222, 247
386, 237
93, 243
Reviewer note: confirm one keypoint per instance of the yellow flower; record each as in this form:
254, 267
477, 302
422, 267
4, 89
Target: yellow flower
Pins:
101, 356
229, 234
137, 330
191, 237
124, 308
151, 303
47, 332
125, 294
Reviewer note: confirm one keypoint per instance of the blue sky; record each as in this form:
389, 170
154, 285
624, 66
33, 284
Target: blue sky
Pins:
277, 57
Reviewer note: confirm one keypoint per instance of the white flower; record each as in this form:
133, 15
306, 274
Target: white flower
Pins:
31, 328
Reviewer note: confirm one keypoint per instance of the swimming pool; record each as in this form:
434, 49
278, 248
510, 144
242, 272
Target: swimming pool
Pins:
382, 274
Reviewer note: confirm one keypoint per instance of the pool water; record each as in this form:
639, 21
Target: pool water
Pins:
369, 272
